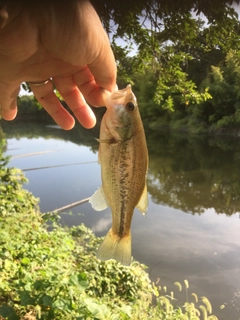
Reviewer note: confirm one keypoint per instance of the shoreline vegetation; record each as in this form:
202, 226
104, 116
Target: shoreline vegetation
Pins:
217, 113
29, 110
50, 272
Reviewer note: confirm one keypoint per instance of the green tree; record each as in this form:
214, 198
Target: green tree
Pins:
171, 51
223, 81
169, 38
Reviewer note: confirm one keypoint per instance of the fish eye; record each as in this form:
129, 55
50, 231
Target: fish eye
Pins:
130, 106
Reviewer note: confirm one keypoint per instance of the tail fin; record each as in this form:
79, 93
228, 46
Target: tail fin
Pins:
114, 247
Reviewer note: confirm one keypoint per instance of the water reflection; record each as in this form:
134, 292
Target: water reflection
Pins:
193, 173
30, 130
197, 175
190, 173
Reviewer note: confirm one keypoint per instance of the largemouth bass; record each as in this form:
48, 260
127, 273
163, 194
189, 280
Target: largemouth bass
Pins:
123, 157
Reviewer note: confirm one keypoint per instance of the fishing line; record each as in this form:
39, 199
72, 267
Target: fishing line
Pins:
59, 165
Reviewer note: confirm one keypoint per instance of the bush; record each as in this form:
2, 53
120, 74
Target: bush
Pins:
50, 272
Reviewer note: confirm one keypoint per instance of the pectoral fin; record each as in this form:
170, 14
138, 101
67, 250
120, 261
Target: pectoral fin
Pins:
98, 200
143, 202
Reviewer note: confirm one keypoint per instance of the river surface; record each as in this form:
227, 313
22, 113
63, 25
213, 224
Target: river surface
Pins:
192, 229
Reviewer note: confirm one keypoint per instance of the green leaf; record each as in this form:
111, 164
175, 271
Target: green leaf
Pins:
26, 299
7, 264
103, 312
28, 286
47, 300
127, 310
93, 308
61, 304
8, 312
79, 280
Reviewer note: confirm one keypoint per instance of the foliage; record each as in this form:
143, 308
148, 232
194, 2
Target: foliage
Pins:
171, 42
116, 10
13, 198
214, 109
223, 83
29, 108
51, 272
170, 56
2, 135
190, 310
172, 53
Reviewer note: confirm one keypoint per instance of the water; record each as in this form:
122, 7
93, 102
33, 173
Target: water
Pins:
192, 229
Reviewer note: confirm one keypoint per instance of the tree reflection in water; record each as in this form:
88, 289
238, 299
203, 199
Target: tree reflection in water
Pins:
195, 173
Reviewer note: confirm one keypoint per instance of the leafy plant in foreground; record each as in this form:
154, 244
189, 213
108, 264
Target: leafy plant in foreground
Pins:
55, 275
13, 198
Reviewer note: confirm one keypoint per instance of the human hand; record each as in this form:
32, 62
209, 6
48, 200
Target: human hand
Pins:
70, 47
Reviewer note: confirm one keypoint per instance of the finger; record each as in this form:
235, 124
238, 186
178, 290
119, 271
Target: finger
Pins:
75, 100
104, 69
99, 55
8, 105
86, 83
9, 112
47, 98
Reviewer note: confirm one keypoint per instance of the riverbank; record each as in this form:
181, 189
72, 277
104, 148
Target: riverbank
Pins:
187, 126
55, 275
173, 122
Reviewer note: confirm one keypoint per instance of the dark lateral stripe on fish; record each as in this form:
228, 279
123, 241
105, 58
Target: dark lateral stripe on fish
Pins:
124, 189
124, 174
